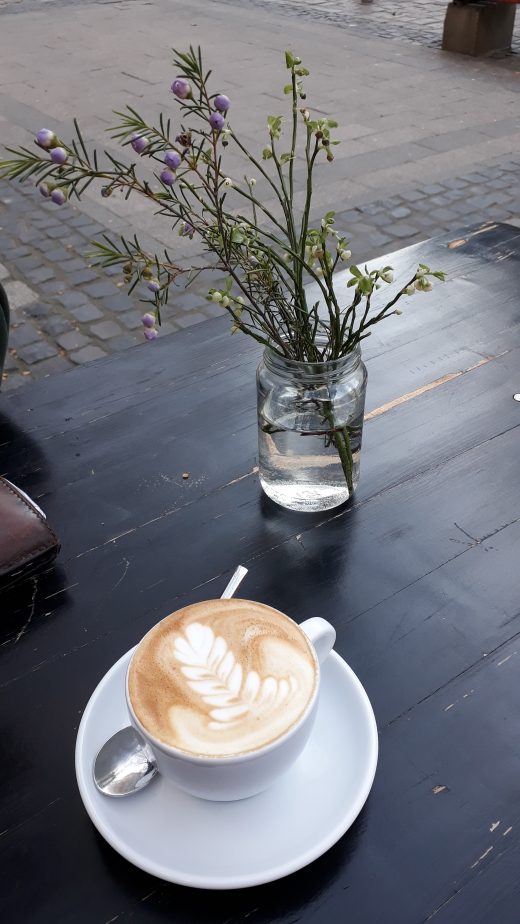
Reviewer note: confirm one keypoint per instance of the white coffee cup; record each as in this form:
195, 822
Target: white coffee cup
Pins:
239, 776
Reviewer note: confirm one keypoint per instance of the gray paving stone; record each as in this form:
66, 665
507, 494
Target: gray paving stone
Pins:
73, 340
56, 254
56, 232
432, 189
52, 366
87, 312
26, 235
18, 251
89, 232
401, 211
80, 221
123, 342
4, 272
402, 230
72, 265
26, 263
23, 334
212, 310
186, 320
130, 319
19, 294
56, 325
83, 275
53, 287
100, 290
74, 240
87, 354
105, 330
38, 310
186, 302
73, 298
41, 274
34, 352
377, 239
374, 208
455, 183
119, 302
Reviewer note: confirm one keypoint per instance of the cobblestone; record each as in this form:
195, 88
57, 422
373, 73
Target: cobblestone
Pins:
124, 341
87, 354
73, 340
106, 329
19, 294
21, 335
35, 352
87, 312
56, 325
51, 366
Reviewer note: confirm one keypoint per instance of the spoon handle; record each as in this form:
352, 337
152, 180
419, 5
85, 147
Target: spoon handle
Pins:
237, 579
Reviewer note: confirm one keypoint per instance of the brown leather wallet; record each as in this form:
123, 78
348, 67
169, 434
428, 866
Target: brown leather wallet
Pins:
27, 543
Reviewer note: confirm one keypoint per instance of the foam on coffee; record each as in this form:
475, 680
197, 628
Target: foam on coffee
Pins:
222, 677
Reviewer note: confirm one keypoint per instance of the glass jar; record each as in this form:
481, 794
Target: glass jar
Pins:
310, 422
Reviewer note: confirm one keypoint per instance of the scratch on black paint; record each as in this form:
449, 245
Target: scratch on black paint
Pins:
32, 604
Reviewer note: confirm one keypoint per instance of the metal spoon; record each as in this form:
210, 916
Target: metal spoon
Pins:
125, 763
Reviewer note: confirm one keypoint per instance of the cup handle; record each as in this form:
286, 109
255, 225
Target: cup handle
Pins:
321, 634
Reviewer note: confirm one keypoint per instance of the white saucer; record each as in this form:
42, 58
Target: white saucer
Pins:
231, 845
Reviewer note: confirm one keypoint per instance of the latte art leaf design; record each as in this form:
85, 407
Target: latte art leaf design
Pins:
212, 671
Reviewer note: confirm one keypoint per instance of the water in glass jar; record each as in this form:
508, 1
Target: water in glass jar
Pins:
302, 470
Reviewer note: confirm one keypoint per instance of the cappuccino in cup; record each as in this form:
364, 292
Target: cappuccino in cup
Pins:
222, 679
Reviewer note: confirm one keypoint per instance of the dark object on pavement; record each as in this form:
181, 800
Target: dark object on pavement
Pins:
480, 28
4, 328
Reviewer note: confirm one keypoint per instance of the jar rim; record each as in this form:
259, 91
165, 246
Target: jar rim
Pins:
285, 365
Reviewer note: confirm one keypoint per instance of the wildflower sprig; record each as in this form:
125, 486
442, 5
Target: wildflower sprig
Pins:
266, 246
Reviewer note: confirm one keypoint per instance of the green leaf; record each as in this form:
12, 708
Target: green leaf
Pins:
356, 272
286, 157
290, 60
331, 123
287, 89
267, 154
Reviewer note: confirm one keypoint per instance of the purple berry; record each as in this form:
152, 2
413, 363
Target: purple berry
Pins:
44, 189
58, 196
154, 286
139, 143
58, 155
181, 88
46, 138
172, 159
148, 320
150, 333
167, 177
222, 102
217, 121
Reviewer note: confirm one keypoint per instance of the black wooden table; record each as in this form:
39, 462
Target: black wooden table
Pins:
420, 576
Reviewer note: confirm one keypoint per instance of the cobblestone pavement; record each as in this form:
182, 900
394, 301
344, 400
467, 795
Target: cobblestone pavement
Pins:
429, 145
419, 22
